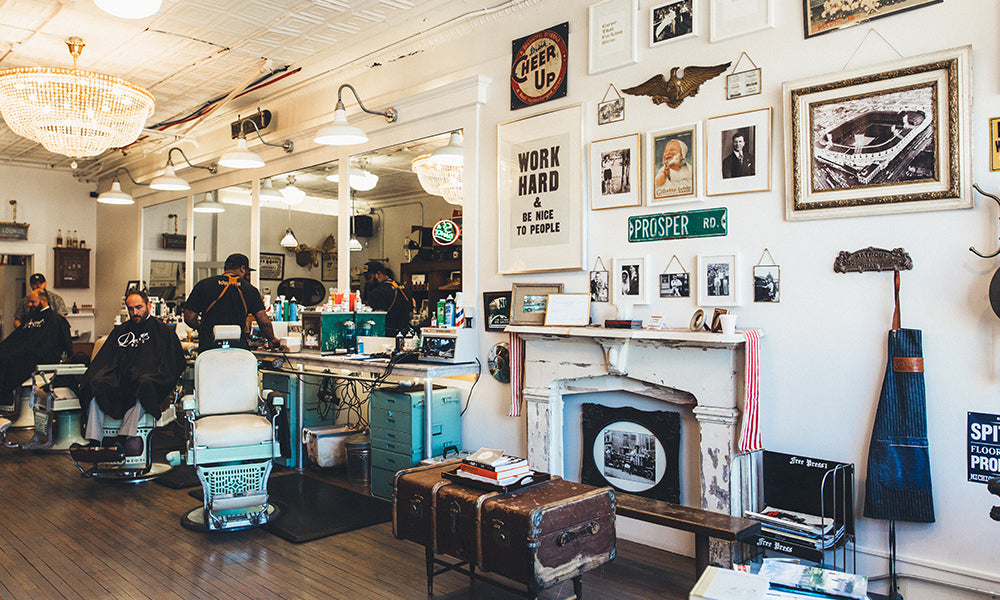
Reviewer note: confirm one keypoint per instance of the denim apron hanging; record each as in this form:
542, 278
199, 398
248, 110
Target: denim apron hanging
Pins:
899, 476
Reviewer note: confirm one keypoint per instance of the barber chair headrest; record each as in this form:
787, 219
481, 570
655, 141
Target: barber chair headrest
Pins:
227, 332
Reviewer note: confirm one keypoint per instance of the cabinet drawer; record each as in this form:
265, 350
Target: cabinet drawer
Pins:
392, 419
382, 483
393, 441
392, 461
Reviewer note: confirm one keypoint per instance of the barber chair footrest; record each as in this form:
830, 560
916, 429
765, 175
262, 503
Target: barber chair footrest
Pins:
230, 502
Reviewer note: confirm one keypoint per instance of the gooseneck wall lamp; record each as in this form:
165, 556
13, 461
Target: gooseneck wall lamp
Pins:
242, 157
169, 181
115, 195
340, 133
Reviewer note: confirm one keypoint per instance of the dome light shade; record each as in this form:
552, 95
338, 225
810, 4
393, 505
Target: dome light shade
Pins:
293, 195
169, 181
340, 133
129, 9
452, 154
241, 157
209, 205
289, 240
269, 193
362, 180
115, 195
354, 245
73, 112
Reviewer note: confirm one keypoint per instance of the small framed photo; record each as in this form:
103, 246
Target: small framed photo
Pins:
496, 306
672, 161
766, 283
600, 282
671, 21
718, 280
529, 300
738, 153
272, 266
613, 26
733, 18
328, 272
568, 310
630, 275
675, 285
614, 172
611, 111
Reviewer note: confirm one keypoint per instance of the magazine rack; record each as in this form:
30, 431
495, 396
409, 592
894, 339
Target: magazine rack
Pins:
819, 487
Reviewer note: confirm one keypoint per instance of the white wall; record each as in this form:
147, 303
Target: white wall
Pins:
823, 349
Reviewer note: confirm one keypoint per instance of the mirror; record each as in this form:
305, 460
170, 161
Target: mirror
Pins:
393, 221
164, 243
219, 234
303, 202
14, 277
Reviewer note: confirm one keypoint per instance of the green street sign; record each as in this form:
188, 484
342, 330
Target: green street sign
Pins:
709, 222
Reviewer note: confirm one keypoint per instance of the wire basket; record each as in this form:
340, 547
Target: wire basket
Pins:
234, 479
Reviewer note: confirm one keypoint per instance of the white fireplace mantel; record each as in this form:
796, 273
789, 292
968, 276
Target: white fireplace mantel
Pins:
679, 367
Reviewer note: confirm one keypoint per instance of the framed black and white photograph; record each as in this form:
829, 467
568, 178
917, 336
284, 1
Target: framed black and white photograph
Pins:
671, 21
496, 306
629, 277
272, 266
613, 35
738, 153
824, 16
328, 270
529, 301
884, 139
633, 451
718, 280
614, 173
611, 111
600, 286
731, 18
766, 283
675, 285
672, 160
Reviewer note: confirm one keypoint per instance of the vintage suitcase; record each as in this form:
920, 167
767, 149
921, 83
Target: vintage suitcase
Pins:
413, 502
548, 533
457, 530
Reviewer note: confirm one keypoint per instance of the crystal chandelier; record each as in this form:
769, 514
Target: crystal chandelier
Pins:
439, 179
72, 112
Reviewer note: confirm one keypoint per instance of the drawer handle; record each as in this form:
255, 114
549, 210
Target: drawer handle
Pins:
567, 537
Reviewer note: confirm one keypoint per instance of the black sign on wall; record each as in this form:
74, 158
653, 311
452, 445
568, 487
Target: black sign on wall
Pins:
984, 447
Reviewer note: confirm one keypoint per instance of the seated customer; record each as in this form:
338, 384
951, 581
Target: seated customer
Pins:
133, 372
42, 338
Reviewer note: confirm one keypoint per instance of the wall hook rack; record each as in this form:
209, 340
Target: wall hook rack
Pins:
872, 259
976, 187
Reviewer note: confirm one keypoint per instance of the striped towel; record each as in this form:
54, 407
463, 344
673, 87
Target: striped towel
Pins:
749, 432
516, 374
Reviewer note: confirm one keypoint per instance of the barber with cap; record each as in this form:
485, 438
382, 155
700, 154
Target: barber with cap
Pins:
227, 299
385, 294
37, 282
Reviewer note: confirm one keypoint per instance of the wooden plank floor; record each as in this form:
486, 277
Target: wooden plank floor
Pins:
66, 537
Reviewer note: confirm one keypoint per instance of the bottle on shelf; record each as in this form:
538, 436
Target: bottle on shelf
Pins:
59, 239
74, 310
449, 311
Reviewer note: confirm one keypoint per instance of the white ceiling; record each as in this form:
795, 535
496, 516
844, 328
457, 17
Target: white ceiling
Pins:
194, 51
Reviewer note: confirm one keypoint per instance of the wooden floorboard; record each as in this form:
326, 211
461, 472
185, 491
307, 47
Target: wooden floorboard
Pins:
65, 537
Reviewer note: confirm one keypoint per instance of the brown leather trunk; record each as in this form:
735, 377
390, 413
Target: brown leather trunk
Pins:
413, 502
548, 533
457, 515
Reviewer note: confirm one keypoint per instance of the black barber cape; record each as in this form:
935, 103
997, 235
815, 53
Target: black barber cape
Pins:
41, 339
138, 361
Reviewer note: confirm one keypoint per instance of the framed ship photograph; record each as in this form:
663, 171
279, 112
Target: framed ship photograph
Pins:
890, 138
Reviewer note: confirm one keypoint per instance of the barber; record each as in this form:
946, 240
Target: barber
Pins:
227, 299
134, 371
385, 294
37, 282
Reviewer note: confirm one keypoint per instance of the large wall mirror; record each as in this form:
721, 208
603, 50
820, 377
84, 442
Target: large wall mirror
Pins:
298, 228
164, 243
221, 227
394, 213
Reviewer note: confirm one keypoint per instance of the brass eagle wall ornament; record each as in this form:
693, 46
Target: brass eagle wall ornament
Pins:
673, 91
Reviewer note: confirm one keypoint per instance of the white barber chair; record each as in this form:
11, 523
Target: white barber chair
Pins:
232, 441
54, 412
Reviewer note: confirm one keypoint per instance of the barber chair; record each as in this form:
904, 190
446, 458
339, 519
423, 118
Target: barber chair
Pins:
232, 440
52, 409
118, 467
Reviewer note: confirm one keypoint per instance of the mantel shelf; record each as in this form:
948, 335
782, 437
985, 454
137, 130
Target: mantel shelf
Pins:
680, 337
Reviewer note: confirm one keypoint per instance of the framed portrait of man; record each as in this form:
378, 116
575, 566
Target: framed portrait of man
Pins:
739, 153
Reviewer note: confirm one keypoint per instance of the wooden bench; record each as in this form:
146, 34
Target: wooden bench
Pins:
704, 524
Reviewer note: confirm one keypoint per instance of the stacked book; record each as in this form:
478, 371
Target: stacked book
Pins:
790, 581
797, 528
493, 466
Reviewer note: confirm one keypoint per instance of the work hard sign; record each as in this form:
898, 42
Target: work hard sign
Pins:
538, 67
542, 204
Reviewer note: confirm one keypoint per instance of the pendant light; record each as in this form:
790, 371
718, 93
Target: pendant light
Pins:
361, 178
340, 133
353, 245
115, 195
269, 193
242, 157
209, 205
289, 240
452, 154
291, 193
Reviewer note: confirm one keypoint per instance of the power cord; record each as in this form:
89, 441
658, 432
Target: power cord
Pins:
473, 388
